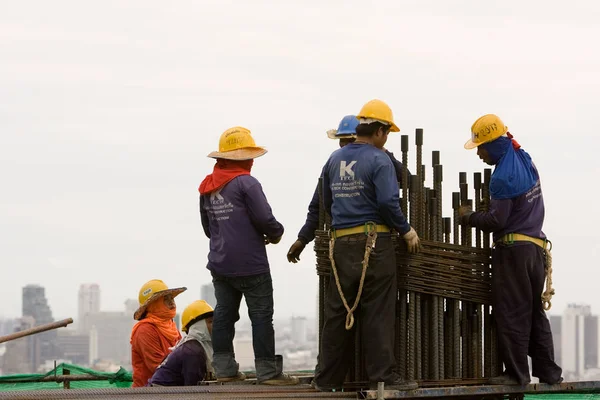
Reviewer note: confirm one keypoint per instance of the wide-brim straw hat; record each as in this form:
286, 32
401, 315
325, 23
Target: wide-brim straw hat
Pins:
237, 144
141, 311
247, 153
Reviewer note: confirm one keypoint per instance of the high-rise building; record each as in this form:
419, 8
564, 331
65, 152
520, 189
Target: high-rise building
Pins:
89, 302
109, 336
22, 355
299, 330
579, 340
35, 305
207, 293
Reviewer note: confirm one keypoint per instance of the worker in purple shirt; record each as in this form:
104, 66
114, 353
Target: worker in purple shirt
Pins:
519, 257
237, 218
360, 192
190, 361
346, 134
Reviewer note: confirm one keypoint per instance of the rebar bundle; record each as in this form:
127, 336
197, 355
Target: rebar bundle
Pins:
444, 328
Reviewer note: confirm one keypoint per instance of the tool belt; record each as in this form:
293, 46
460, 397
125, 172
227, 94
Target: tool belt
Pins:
510, 238
365, 228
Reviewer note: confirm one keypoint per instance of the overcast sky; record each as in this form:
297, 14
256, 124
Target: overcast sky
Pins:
109, 108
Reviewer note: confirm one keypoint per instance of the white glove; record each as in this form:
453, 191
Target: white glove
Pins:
413, 243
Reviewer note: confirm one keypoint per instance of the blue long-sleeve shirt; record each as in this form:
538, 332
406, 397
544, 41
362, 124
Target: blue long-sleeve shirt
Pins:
237, 218
307, 232
360, 185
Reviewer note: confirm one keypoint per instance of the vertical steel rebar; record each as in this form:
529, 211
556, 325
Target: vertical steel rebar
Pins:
411, 338
435, 342
322, 287
420, 179
418, 341
426, 304
402, 337
405, 184
456, 314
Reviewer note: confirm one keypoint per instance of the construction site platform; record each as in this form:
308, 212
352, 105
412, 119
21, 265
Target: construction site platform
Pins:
586, 390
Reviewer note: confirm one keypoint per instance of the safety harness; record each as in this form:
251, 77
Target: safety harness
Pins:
370, 229
546, 245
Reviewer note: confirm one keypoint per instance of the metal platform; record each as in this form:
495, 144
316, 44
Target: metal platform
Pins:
303, 391
479, 391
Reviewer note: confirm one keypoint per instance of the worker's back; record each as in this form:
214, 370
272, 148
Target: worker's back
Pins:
236, 218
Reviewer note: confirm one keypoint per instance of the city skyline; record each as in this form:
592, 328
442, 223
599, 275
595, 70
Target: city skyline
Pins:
109, 111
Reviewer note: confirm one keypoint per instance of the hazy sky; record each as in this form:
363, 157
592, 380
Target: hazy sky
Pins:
109, 108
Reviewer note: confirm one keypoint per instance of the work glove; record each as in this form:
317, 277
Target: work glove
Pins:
464, 213
293, 254
413, 243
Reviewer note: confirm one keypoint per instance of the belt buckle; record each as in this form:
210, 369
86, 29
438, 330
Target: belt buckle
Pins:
370, 227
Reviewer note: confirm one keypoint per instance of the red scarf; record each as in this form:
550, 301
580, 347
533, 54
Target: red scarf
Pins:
224, 172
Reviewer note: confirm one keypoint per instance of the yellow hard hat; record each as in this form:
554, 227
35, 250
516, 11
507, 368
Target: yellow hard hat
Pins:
485, 129
151, 291
194, 311
380, 111
237, 144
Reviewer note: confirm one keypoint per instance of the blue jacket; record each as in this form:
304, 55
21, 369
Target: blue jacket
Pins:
307, 232
237, 218
360, 185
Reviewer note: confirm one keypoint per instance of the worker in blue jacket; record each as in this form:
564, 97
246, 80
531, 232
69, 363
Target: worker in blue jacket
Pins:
190, 361
346, 134
238, 219
520, 254
360, 191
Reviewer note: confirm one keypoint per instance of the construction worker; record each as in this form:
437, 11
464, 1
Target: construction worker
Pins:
346, 134
360, 190
516, 217
156, 332
190, 362
237, 218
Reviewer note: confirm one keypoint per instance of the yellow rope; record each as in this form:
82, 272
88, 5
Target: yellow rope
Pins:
549, 292
371, 238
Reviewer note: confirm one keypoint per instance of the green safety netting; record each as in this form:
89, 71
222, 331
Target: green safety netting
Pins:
120, 379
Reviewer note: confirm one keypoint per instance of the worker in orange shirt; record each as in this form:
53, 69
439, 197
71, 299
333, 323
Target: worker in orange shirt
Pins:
155, 332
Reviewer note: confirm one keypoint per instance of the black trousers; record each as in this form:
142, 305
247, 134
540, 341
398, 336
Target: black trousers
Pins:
518, 276
375, 314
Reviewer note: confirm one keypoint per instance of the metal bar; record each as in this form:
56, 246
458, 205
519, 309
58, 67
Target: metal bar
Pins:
426, 336
36, 329
441, 336
411, 337
403, 335
420, 180
464, 340
418, 341
405, 183
456, 368
435, 345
